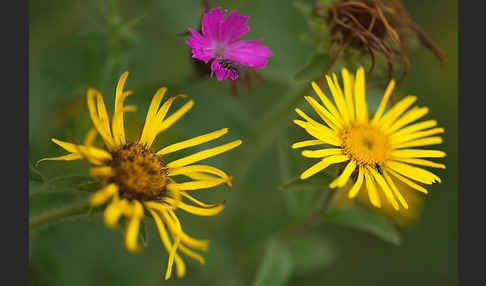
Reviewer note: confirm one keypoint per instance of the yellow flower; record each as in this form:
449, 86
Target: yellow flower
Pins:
135, 178
378, 149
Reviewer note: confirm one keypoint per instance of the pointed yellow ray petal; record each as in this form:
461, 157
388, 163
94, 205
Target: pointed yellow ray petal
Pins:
323, 113
389, 118
204, 154
133, 226
415, 173
338, 96
117, 121
307, 143
348, 92
408, 182
319, 133
415, 135
357, 186
90, 137
114, 211
68, 157
103, 195
192, 254
193, 141
321, 153
176, 115
191, 242
321, 165
417, 153
327, 103
164, 237
102, 126
153, 125
344, 177
371, 188
196, 185
360, 96
397, 193
421, 162
420, 142
97, 153
210, 210
102, 171
324, 134
177, 241
410, 116
384, 186
384, 101
154, 105
198, 168
414, 128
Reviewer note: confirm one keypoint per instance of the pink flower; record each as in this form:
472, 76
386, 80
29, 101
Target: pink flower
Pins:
218, 42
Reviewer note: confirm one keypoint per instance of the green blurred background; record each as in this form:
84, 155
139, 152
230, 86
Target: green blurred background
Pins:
75, 44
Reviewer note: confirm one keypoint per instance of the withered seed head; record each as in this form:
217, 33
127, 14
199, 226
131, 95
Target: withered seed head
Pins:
373, 26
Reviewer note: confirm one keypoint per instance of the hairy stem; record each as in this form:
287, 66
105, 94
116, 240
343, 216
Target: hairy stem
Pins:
58, 214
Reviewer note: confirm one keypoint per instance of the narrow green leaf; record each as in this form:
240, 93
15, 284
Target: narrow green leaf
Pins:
313, 68
276, 267
311, 252
363, 219
66, 184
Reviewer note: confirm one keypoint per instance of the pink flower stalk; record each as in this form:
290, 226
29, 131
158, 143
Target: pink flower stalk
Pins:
218, 43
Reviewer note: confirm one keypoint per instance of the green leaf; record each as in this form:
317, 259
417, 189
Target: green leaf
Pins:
67, 184
318, 181
276, 267
363, 219
311, 252
314, 67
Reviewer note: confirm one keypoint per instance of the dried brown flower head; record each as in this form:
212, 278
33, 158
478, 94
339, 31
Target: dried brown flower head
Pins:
374, 27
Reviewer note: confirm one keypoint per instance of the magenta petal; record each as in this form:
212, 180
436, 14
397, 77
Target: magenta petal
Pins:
222, 72
201, 47
211, 23
233, 27
248, 52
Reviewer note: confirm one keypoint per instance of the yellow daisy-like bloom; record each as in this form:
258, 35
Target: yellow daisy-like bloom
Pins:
136, 179
375, 148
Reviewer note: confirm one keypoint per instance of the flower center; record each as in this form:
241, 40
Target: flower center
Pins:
138, 172
366, 145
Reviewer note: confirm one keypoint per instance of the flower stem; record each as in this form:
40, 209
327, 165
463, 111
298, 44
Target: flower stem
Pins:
311, 218
58, 214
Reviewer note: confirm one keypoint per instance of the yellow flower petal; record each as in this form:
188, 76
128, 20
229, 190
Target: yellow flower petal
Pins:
203, 154
133, 226
384, 101
408, 182
417, 153
415, 173
327, 103
348, 92
103, 195
324, 163
325, 115
384, 186
360, 97
397, 193
357, 186
371, 188
321, 153
420, 142
193, 141
307, 143
344, 177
